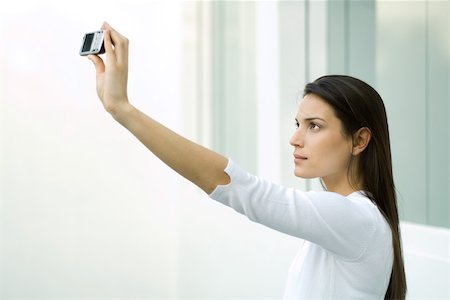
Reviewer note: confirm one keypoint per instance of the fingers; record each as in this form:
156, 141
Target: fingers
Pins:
106, 26
109, 49
98, 63
116, 45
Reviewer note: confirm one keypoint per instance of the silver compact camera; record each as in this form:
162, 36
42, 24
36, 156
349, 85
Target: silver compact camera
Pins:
92, 43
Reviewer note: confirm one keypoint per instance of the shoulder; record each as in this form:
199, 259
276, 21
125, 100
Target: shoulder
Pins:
354, 213
356, 201
361, 200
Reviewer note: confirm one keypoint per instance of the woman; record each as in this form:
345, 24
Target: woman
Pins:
352, 247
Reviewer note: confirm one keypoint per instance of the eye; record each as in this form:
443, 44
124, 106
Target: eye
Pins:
297, 125
314, 126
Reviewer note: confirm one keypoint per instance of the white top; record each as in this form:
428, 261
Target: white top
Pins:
348, 249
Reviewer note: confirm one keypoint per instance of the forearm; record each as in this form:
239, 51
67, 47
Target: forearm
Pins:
203, 167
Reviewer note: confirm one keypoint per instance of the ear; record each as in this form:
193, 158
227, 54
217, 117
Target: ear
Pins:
361, 139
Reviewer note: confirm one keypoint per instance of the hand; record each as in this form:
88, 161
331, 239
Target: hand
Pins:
112, 75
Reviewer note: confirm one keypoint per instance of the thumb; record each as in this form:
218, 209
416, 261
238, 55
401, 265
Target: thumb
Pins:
98, 63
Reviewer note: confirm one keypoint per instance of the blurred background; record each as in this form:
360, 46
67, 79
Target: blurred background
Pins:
86, 212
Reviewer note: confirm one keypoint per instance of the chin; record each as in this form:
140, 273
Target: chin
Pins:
303, 175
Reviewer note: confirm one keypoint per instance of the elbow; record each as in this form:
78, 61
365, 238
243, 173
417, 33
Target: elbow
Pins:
210, 183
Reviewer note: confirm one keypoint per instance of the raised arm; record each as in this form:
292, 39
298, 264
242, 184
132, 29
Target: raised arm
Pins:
203, 167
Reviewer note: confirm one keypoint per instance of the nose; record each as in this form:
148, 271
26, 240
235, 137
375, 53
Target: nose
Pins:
297, 139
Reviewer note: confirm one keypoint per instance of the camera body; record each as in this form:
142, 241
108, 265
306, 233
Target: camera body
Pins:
92, 43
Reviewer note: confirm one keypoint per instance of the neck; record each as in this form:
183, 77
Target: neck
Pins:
342, 184
343, 189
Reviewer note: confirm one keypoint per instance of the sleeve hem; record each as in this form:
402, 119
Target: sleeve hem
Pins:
221, 188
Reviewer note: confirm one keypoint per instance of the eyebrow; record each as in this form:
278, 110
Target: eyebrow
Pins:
312, 118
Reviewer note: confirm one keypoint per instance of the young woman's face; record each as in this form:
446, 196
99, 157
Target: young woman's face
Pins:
320, 148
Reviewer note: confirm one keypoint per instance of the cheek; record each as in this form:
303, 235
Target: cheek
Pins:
332, 152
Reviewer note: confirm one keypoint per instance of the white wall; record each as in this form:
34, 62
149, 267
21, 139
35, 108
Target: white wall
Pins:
426, 251
86, 211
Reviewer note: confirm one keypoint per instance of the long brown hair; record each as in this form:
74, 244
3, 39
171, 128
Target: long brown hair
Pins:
359, 105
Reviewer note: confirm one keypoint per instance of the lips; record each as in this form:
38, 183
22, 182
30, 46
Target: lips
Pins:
298, 156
